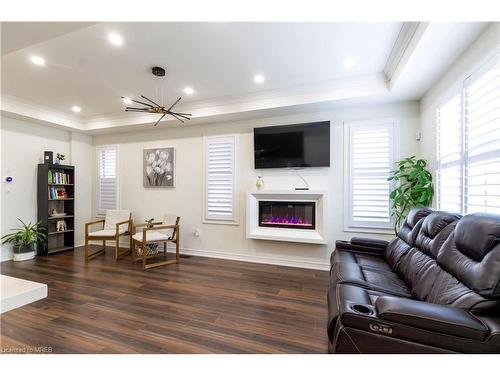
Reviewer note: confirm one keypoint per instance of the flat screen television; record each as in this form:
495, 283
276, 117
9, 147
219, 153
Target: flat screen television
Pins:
292, 146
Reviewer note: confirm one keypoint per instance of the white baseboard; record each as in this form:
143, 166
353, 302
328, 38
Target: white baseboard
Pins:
277, 261
6, 253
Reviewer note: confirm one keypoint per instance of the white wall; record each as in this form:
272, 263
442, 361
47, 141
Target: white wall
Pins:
22, 147
186, 199
23, 144
480, 51
82, 156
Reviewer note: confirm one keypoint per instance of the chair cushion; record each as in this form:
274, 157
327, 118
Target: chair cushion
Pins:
151, 235
116, 216
107, 232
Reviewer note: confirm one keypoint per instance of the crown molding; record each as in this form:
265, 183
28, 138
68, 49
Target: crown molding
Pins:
25, 110
207, 110
406, 42
244, 106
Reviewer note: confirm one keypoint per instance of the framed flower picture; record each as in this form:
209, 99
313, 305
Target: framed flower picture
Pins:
159, 167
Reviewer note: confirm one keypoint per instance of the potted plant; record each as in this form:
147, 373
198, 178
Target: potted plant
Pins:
414, 188
60, 158
25, 240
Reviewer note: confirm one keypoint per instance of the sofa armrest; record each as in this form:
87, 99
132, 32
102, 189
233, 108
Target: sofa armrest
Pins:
369, 242
437, 318
359, 244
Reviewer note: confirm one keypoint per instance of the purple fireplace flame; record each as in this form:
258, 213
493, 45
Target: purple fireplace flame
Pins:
287, 214
286, 220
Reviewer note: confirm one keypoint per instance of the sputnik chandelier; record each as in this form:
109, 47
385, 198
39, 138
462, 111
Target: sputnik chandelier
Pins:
151, 106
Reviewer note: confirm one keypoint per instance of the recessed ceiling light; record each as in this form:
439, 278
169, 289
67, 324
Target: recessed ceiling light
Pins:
259, 78
349, 63
37, 60
127, 100
75, 108
188, 90
115, 39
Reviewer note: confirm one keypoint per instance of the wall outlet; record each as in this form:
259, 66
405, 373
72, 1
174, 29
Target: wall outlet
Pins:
197, 233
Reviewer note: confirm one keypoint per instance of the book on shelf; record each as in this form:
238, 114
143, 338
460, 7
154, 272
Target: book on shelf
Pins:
57, 193
59, 178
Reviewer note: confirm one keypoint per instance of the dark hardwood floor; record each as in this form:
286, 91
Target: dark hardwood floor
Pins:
202, 305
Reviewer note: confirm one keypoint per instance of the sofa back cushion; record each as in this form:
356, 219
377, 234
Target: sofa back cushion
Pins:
472, 254
418, 266
435, 231
446, 289
406, 236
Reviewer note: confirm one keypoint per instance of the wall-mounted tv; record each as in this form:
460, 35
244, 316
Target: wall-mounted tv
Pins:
292, 146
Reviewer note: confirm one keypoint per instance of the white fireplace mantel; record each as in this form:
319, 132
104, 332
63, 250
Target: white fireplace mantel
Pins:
316, 236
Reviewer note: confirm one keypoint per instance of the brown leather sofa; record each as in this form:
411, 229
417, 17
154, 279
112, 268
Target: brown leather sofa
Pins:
435, 288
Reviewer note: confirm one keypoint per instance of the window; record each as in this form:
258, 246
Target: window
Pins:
371, 157
450, 155
469, 145
107, 178
220, 178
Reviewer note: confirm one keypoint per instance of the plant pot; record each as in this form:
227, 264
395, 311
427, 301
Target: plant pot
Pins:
23, 253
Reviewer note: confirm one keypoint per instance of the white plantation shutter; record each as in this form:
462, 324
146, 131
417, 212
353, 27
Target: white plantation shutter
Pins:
450, 155
107, 178
469, 144
482, 135
371, 157
220, 178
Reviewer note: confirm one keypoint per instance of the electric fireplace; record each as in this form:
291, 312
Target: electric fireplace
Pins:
281, 214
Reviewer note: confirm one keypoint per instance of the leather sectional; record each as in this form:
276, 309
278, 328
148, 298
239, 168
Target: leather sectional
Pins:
435, 288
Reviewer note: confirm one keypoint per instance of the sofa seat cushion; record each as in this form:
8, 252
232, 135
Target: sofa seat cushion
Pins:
107, 232
372, 262
342, 256
375, 280
369, 261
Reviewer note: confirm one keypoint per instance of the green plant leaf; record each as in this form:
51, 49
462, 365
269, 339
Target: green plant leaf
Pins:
413, 187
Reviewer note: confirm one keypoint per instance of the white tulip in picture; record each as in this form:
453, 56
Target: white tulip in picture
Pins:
159, 167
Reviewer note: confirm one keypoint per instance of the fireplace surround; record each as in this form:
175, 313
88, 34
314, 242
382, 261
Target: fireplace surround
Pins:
284, 215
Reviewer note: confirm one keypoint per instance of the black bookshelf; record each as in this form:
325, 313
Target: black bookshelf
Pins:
56, 190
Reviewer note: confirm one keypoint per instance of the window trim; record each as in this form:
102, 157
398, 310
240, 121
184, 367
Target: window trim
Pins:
97, 185
235, 220
347, 125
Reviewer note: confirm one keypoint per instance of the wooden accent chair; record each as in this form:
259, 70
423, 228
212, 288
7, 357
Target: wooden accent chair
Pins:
146, 242
117, 223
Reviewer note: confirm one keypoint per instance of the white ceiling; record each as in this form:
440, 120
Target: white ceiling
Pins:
303, 63
18, 35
